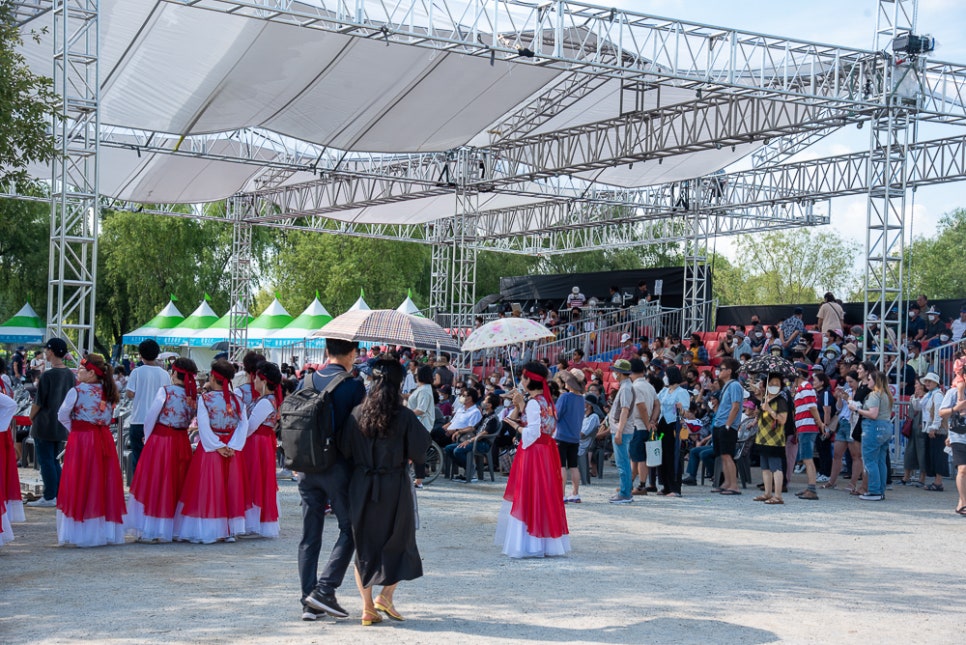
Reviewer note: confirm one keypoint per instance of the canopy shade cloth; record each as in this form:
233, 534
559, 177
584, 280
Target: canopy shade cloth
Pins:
217, 332
390, 327
267, 323
24, 327
505, 331
299, 330
201, 318
167, 319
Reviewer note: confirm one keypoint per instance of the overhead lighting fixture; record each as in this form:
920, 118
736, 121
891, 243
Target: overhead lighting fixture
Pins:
913, 45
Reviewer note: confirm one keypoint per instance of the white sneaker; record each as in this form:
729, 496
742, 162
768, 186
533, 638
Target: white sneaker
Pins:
43, 503
821, 479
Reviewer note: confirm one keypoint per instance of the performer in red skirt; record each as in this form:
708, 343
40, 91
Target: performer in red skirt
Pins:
533, 522
163, 466
7, 409
246, 391
90, 504
9, 477
260, 448
212, 505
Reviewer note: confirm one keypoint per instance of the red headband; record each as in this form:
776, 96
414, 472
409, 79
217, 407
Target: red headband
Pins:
87, 365
226, 390
275, 387
190, 384
546, 390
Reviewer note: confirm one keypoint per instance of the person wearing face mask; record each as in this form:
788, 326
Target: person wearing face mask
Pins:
916, 326
771, 339
915, 360
772, 416
934, 325
756, 338
830, 359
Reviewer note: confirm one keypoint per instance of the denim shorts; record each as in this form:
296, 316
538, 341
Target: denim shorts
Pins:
844, 431
806, 445
637, 450
773, 464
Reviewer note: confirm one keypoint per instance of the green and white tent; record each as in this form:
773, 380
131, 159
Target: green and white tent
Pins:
168, 318
273, 319
360, 304
24, 327
299, 330
201, 318
409, 307
218, 332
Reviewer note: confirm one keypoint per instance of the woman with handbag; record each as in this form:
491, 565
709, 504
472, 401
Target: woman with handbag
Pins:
674, 400
772, 415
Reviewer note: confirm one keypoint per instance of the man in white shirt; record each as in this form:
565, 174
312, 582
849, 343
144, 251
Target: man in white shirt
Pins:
576, 299
958, 327
38, 363
462, 421
143, 386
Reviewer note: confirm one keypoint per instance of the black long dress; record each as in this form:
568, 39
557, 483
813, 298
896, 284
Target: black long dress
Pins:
381, 498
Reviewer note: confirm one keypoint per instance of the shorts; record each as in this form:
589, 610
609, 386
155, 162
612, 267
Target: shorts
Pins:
774, 464
725, 440
959, 454
637, 450
844, 431
806, 445
568, 453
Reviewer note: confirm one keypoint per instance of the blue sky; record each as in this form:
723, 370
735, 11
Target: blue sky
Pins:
848, 23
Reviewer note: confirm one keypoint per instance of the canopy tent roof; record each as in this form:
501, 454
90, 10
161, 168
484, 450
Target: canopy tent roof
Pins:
201, 318
25, 326
408, 306
313, 318
274, 318
219, 331
171, 68
360, 304
167, 319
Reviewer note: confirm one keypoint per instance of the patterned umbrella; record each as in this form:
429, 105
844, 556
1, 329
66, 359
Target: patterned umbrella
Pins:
768, 364
505, 331
388, 326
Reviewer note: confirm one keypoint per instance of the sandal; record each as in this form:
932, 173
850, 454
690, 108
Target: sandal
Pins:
370, 618
934, 487
775, 500
728, 491
828, 485
961, 510
388, 609
761, 498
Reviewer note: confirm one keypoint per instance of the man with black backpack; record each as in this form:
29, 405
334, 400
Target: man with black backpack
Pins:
330, 486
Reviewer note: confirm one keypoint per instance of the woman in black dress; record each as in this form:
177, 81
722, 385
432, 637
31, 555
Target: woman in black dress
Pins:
381, 437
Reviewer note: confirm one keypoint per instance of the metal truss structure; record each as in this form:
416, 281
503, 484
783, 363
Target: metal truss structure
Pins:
722, 88
74, 199
239, 212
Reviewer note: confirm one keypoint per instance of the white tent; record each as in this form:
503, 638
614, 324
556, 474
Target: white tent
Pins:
408, 306
167, 319
360, 304
274, 318
201, 318
217, 332
299, 330
25, 326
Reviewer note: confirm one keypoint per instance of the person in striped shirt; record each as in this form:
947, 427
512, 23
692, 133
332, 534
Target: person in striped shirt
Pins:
808, 423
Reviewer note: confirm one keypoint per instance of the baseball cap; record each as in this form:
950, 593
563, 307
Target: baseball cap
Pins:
58, 346
802, 367
621, 366
625, 338
799, 310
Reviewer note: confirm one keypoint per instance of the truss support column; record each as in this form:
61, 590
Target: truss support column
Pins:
696, 275
464, 263
240, 209
439, 284
891, 131
74, 210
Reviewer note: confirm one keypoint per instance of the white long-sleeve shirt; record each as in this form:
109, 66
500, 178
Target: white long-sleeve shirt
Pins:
7, 409
262, 410
210, 441
531, 432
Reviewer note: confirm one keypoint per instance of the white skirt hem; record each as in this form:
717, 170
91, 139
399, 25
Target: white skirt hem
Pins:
511, 534
147, 527
7, 534
96, 531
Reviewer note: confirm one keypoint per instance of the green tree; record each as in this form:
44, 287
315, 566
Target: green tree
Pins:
26, 103
934, 265
786, 267
24, 252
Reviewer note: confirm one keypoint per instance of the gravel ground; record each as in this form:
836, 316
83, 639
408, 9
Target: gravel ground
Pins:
699, 569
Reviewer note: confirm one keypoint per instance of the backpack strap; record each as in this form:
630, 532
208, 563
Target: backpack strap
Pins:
308, 382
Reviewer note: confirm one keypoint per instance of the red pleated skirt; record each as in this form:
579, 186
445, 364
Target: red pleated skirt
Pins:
215, 486
535, 489
261, 485
9, 477
91, 486
161, 472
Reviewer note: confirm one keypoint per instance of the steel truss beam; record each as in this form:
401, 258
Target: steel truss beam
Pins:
74, 199
239, 212
696, 274
630, 46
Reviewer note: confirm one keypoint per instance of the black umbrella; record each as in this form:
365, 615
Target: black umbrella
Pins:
769, 364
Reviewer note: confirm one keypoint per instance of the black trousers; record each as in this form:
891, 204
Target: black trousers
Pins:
670, 457
316, 491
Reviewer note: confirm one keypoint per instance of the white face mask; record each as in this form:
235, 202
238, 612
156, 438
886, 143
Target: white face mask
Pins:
758, 334
774, 389
830, 355
768, 335
944, 338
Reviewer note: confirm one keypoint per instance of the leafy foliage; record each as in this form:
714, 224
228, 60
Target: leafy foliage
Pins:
24, 253
26, 103
934, 265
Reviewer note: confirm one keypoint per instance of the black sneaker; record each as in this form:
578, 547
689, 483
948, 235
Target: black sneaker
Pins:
310, 614
327, 603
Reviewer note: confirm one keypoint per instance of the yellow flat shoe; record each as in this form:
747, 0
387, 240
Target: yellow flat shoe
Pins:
389, 610
370, 618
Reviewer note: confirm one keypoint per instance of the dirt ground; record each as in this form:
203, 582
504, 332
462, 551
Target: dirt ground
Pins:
699, 569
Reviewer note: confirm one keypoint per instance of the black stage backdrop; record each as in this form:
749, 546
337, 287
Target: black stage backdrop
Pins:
556, 287
773, 314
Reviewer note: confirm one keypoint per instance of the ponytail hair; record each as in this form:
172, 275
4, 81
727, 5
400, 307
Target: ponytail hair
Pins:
105, 376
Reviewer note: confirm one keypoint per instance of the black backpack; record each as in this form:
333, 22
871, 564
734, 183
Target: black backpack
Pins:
306, 425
